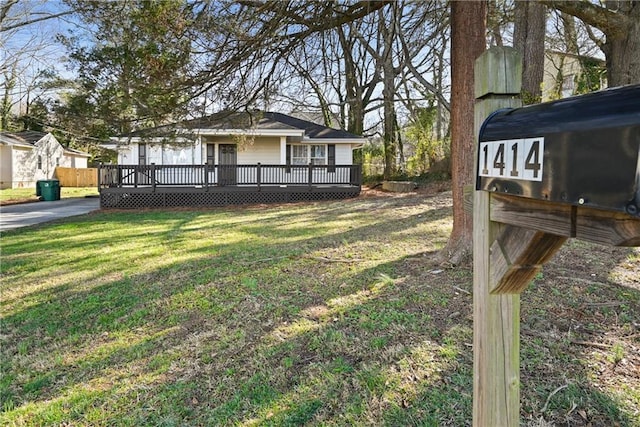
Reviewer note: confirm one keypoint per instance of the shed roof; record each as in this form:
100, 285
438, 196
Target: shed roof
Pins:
29, 138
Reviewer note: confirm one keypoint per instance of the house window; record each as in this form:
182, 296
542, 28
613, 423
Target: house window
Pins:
304, 154
57, 161
318, 154
299, 155
568, 85
39, 162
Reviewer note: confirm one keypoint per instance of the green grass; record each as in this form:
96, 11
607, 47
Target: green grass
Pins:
307, 314
29, 194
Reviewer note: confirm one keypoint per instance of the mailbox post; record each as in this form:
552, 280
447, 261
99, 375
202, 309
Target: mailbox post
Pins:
544, 173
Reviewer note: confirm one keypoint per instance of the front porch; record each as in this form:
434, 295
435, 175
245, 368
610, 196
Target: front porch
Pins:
154, 186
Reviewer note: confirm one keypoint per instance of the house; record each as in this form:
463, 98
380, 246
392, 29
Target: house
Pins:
231, 158
29, 156
567, 74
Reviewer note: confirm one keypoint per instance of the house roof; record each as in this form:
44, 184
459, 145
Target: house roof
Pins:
26, 138
29, 138
255, 122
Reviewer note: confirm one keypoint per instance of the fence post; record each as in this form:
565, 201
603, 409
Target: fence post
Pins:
258, 175
496, 317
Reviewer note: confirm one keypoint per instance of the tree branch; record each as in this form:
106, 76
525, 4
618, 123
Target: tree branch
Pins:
606, 20
31, 21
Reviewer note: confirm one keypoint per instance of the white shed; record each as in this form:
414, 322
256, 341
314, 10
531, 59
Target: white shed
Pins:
29, 156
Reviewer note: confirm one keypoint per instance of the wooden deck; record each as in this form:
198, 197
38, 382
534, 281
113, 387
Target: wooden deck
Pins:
153, 186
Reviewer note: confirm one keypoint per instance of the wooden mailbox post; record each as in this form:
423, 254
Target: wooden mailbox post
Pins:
570, 168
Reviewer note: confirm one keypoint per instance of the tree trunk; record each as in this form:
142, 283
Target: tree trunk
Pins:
528, 39
388, 96
468, 23
570, 33
389, 137
622, 51
355, 111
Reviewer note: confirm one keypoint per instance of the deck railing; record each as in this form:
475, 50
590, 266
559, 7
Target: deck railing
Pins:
117, 176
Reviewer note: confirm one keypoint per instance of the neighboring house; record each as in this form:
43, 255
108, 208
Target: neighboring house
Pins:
29, 156
233, 153
566, 75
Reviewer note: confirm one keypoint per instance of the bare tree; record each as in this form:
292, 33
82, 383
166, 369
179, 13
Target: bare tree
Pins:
27, 52
15, 15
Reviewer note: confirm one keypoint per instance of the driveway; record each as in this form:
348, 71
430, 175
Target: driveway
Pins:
15, 216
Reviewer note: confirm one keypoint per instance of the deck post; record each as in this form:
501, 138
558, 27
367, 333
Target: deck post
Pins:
496, 317
310, 176
205, 180
152, 172
258, 175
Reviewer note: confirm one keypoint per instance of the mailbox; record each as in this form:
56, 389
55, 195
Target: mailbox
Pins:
583, 150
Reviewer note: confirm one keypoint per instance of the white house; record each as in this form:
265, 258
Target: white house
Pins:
231, 158
238, 139
29, 156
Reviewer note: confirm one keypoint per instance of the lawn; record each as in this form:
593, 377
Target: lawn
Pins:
20, 195
332, 313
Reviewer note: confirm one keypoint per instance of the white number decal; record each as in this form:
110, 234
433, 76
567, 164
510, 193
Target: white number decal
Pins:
512, 159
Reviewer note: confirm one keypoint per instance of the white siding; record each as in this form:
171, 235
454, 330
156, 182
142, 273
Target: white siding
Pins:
156, 155
126, 154
262, 150
6, 169
51, 152
344, 154
78, 161
24, 171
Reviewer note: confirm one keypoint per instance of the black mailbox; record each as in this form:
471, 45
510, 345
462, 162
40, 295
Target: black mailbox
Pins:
583, 150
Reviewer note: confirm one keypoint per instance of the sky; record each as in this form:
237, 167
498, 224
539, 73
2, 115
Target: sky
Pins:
32, 48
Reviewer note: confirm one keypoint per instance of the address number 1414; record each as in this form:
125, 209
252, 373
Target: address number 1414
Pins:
512, 159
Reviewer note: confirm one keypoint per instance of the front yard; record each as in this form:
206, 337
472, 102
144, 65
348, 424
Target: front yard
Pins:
332, 313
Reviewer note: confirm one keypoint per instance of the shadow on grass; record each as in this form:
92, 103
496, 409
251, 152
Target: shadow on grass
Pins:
258, 331
577, 352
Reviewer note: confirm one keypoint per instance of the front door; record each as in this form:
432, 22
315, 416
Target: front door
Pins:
228, 159
143, 177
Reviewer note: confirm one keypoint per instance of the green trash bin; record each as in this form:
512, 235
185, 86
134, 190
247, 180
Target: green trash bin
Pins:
48, 189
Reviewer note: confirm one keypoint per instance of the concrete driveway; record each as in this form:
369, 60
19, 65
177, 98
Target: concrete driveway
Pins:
15, 216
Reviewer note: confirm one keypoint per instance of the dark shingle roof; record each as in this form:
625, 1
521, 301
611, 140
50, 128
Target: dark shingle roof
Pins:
29, 137
312, 130
247, 120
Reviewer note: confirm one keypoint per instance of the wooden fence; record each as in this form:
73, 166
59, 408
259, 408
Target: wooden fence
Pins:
77, 177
